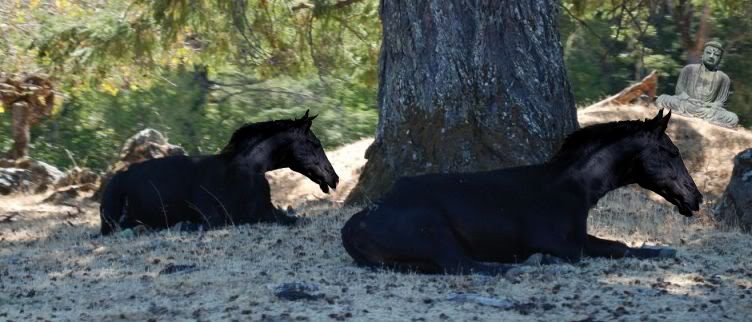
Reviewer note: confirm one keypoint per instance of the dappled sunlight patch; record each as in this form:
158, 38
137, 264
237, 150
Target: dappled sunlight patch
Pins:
63, 272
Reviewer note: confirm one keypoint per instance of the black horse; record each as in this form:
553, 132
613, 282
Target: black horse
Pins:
474, 222
217, 190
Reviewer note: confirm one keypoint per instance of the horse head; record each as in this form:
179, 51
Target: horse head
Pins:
307, 156
659, 167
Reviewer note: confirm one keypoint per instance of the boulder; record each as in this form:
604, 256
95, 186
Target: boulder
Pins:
144, 145
43, 175
27, 175
735, 207
13, 180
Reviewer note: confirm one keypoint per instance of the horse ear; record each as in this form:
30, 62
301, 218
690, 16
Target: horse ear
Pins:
309, 122
657, 118
660, 122
664, 121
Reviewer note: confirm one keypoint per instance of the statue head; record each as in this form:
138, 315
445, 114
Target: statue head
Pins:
711, 54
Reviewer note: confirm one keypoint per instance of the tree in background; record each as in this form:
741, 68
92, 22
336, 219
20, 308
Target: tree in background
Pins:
29, 98
609, 44
466, 87
221, 63
197, 69
26, 94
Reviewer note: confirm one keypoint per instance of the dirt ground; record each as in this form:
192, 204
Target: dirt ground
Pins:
52, 267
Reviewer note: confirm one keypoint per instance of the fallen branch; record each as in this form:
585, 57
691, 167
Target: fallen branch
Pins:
634, 91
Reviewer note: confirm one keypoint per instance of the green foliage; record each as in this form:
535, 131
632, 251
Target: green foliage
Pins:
93, 125
609, 45
125, 65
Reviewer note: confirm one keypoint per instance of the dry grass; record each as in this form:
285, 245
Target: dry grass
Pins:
50, 267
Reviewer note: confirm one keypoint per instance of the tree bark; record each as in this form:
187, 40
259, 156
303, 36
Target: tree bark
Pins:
683, 15
466, 86
21, 130
201, 87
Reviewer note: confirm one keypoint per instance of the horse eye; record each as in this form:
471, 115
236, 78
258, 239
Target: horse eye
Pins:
671, 152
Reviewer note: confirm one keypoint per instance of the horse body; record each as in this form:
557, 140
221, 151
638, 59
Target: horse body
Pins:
216, 190
165, 191
457, 223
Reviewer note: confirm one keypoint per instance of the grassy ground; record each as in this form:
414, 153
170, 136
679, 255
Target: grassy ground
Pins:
50, 269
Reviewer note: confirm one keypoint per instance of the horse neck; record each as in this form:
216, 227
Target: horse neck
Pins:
603, 170
266, 154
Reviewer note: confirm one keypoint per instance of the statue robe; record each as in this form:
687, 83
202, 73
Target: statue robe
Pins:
701, 98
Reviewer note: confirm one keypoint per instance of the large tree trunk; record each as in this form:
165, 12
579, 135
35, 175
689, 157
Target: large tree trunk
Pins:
466, 86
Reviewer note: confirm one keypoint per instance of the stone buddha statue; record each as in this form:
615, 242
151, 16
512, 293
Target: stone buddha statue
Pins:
702, 90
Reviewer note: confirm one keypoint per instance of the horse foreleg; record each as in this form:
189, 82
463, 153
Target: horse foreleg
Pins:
462, 265
563, 249
598, 247
284, 217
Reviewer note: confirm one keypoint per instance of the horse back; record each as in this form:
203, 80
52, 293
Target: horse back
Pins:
157, 192
504, 187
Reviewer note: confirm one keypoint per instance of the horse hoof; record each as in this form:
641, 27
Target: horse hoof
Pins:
552, 260
127, 233
534, 260
185, 226
513, 273
660, 252
302, 221
141, 230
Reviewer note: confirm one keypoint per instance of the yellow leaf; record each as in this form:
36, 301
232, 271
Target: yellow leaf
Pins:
109, 88
62, 4
58, 106
34, 4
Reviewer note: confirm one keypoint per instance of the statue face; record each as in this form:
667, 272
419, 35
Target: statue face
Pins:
711, 57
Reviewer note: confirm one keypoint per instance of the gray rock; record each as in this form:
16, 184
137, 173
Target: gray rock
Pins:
27, 175
14, 180
735, 207
43, 175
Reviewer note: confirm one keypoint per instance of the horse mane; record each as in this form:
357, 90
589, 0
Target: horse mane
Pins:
252, 133
587, 140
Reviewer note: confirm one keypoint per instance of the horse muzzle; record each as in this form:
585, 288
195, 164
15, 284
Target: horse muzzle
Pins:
331, 181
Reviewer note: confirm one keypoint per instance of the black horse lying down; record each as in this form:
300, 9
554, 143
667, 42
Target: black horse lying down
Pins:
217, 190
473, 222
